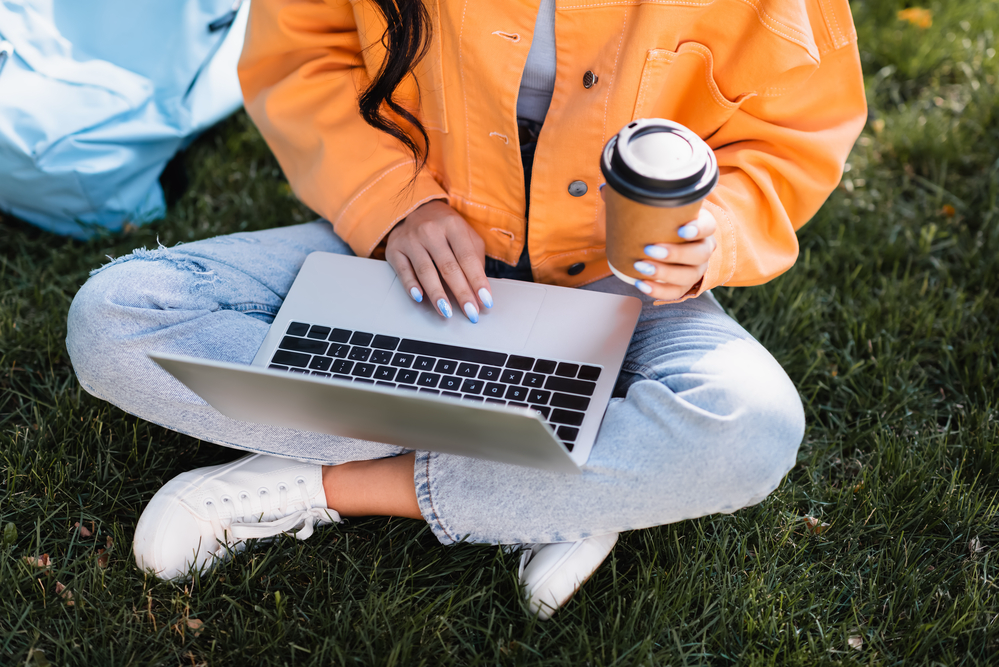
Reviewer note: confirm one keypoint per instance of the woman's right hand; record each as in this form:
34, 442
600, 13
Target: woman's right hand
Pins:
435, 241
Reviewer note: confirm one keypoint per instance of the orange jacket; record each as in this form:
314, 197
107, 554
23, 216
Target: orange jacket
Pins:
774, 86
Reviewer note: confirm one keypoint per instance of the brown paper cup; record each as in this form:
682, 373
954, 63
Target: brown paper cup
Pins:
632, 225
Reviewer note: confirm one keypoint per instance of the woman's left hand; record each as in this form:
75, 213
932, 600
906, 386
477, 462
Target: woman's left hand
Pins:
673, 269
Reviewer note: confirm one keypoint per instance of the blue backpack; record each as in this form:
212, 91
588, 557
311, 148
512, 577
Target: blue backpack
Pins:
96, 96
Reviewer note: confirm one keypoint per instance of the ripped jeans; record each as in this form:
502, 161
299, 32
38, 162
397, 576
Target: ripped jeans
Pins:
705, 420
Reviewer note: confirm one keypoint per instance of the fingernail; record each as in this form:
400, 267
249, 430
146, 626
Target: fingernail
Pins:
688, 231
487, 298
645, 267
416, 294
444, 307
472, 312
643, 287
656, 252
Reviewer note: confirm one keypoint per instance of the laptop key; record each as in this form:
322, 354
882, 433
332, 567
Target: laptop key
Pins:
517, 393
472, 386
428, 379
325, 375
490, 373
318, 332
342, 366
340, 335
407, 376
424, 364
320, 363
496, 401
303, 345
364, 370
543, 410
539, 396
297, 329
361, 338
446, 366
343, 377
511, 377
472, 398
339, 351
286, 358
544, 366
359, 353
591, 373
452, 394
468, 370
424, 390
494, 390
278, 368
381, 356
385, 342
570, 386
567, 370
299, 370
569, 417
567, 433
386, 373
402, 360
453, 352
385, 384
364, 380
520, 363
450, 383
514, 404
534, 380
570, 401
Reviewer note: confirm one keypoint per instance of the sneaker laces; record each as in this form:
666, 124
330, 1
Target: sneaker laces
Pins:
242, 525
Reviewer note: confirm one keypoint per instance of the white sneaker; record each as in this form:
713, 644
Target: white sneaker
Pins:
551, 573
199, 517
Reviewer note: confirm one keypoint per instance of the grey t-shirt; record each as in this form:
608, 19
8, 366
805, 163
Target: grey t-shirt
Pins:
538, 81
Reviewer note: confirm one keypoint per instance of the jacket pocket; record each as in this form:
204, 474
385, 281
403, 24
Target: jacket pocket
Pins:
430, 75
680, 86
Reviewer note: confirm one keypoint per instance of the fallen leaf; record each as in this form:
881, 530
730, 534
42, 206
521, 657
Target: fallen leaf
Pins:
39, 561
36, 658
975, 545
948, 211
66, 594
856, 642
84, 531
814, 525
917, 16
109, 542
102, 557
195, 625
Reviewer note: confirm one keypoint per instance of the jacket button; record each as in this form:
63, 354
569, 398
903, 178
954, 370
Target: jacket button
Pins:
590, 79
577, 188
576, 269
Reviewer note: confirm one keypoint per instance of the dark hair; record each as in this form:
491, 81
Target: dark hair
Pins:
406, 40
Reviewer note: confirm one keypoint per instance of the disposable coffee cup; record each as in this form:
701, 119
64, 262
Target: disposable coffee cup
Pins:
658, 173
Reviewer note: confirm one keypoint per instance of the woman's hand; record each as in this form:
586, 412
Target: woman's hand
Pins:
435, 238
674, 268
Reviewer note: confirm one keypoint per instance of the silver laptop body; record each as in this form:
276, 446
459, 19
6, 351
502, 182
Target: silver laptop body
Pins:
582, 335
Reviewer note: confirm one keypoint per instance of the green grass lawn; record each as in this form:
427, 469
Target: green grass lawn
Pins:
877, 549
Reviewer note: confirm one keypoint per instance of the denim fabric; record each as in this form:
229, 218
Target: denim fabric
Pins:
704, 421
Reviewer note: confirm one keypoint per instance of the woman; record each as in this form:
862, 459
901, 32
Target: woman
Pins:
506, 112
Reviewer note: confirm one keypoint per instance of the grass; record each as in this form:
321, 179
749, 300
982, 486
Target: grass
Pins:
888, 324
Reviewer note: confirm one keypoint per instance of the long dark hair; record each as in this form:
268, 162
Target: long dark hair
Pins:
406, 41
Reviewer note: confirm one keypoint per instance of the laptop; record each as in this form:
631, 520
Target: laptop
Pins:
351, 354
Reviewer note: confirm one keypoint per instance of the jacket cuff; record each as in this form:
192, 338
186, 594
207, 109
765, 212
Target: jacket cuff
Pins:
380, 203
722, 264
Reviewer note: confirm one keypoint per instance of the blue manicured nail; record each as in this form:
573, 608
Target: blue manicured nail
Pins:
643, 287
688, 231
416, 294
444, 307
645, 267
472, 312
487, 298
656, 252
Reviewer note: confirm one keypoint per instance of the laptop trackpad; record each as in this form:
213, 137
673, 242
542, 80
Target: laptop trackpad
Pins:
506, 326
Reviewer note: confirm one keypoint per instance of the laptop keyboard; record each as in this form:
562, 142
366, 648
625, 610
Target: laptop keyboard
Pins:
559, 390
